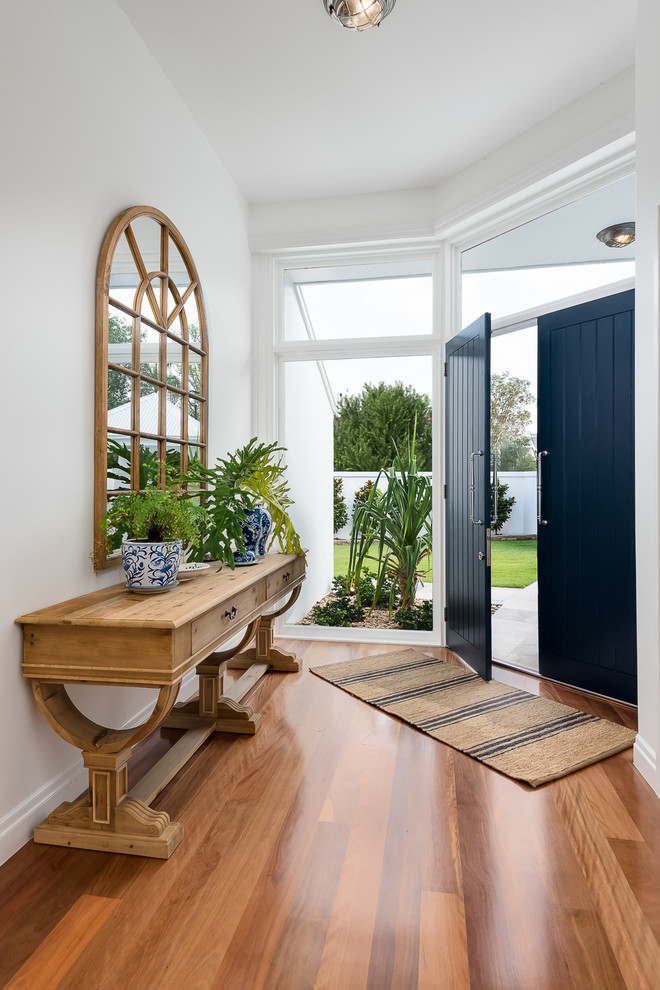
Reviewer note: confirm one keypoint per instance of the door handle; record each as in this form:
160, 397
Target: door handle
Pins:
475, 453
539, 487
481, 555
493, 521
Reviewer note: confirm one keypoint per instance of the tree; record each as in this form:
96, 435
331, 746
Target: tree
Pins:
340, 513
370, 427
509, 418
119, 385
515, 455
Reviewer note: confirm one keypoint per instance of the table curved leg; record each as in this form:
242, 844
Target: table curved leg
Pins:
105, 818
263, 650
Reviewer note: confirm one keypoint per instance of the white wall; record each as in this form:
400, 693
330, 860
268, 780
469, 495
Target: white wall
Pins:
647, 387
309, 442
90, 126
522, 486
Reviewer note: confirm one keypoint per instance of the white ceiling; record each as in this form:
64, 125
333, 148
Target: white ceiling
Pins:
297, 106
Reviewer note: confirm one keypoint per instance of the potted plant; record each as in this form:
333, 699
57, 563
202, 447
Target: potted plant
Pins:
152, 526
235, 489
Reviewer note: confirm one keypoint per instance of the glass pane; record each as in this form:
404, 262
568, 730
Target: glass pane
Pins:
332, 409
194, 418
147, 232
120, 338
124, 278
149, 349
194, 458
173, 462
149, 408
359, 301
151, 305
194, 372
194, 323
149, 467
174, 364
119, 398
176, 268
173, 414
501, 293
118, 463
176, 326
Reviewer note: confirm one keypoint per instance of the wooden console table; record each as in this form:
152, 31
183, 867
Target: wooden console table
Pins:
116, 637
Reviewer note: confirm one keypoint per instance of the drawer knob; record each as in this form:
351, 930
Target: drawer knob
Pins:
286, 575
230, 615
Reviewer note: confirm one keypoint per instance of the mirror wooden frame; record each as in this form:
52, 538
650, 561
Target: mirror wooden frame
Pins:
160, 308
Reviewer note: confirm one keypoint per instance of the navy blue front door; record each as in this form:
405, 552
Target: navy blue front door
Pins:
468, 495
586, 531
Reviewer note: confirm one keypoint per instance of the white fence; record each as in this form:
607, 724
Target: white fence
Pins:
522, 485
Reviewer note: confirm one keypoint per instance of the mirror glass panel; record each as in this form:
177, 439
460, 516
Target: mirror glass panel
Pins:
147, 233
120, 338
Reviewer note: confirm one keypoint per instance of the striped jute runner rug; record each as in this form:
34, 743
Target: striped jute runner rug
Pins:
523, 736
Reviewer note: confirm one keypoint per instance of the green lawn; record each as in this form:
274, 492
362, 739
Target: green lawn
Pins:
341, 562
513, 563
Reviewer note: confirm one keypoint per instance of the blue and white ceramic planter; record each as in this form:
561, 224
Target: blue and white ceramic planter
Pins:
150, 566
255, 534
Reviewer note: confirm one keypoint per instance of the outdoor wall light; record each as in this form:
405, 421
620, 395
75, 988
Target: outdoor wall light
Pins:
618, 235
358, 15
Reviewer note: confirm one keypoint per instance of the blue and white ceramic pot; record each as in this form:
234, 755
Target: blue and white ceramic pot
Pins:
150, 566
255, 534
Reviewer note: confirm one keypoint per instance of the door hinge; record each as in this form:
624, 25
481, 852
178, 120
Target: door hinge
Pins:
445, 373
444, 491
444, 613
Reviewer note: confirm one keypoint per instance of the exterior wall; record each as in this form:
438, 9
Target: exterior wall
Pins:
90, 126
647, 388
522, 485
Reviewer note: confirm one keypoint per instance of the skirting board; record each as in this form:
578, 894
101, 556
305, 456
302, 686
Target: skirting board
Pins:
645, 760
17, 825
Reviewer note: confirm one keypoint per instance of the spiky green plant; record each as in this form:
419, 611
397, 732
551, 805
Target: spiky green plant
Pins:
393, 528
253, 474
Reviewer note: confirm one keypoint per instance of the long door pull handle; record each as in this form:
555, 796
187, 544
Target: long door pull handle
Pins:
493, 521
539, 487
475, 453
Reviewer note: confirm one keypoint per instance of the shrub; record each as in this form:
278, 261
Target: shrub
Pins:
363, 495
339, 611
417, 617
393, 530
365, 591
339, 505
504, 505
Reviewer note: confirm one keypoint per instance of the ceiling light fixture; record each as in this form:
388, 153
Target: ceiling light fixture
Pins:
358, 15
618, 235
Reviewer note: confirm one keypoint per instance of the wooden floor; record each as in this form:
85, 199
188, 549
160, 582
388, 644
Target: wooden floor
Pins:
338, 848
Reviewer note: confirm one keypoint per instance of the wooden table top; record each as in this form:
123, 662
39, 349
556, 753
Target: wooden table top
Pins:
114, 636
116, 606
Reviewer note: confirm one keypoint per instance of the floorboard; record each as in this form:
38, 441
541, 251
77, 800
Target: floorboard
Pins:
340, 849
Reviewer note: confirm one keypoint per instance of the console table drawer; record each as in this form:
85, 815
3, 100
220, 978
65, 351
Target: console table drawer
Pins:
278, 583
224, 619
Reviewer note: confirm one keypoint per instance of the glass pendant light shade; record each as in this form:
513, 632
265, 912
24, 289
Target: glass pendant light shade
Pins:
618, 236
358, 15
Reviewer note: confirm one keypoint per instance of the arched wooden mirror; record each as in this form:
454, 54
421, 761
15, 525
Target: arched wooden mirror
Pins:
151, 360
